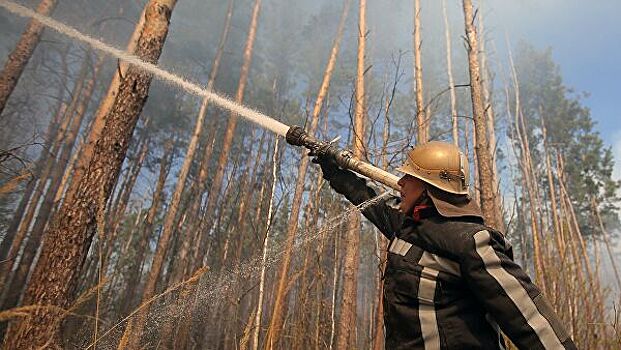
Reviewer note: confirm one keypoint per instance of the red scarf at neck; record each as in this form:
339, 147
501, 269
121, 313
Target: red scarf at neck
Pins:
420, 211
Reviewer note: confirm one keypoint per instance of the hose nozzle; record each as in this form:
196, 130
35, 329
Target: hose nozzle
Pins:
297, 136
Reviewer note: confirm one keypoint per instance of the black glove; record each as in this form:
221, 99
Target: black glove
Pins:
328, 165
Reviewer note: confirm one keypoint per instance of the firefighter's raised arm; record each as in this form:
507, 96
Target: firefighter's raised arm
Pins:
383, 214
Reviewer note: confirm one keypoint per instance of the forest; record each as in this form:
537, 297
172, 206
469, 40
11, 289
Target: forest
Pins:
148, 199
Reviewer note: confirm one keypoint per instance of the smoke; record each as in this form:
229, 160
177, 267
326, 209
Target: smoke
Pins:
248, 113
616, 151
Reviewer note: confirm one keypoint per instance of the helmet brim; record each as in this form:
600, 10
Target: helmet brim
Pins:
451, 206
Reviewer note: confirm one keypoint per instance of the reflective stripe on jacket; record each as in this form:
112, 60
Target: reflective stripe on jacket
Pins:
452, 283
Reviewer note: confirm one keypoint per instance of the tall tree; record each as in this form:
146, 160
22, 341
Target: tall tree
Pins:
99, 120
266, 242
216, 185
20, 56
280, 307
76, 112
490, 119
484, 159
422, 135
71, 232
171, 213
449, 71
544, 96
346, 334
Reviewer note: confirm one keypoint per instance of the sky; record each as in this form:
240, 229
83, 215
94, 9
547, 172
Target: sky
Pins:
585, 38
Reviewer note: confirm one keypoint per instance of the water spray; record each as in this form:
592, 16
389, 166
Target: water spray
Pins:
248, 113
297, 136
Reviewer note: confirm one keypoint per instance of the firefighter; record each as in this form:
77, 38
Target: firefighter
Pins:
450, 281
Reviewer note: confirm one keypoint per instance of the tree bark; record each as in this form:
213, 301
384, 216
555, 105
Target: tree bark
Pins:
72, 228
484, 159
421, 117
99, 120
491, 124
346, 334
19, 57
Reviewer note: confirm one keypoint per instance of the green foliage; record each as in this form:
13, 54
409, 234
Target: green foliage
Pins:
588, 163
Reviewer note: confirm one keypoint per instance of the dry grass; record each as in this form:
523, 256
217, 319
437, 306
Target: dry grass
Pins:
192, 280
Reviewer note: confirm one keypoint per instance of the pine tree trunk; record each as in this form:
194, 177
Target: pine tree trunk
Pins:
528, 177
192, 146
50, 136
198, 187
280, 307
19, 57
36, 234
484, 159
382, 251
73, 226
266, 242
143, 235
216, 185
5, 270
421, 117
491, 125
449, 70
99, 120
118, 211
346, 334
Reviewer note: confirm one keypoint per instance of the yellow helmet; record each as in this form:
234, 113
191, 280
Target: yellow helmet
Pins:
439, 164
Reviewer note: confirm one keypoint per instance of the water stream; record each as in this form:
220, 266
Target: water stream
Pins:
248, 113
214, 285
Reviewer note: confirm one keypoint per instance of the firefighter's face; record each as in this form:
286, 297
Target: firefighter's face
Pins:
411, 190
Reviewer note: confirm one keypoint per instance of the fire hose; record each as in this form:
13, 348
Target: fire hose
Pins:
297, 136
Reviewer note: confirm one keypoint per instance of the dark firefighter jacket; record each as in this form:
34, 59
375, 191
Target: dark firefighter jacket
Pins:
452, 283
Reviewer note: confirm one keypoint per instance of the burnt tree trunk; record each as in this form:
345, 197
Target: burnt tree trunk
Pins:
73, 226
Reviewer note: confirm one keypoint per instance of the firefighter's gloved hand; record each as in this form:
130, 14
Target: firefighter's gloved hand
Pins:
344, 181
328, 165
